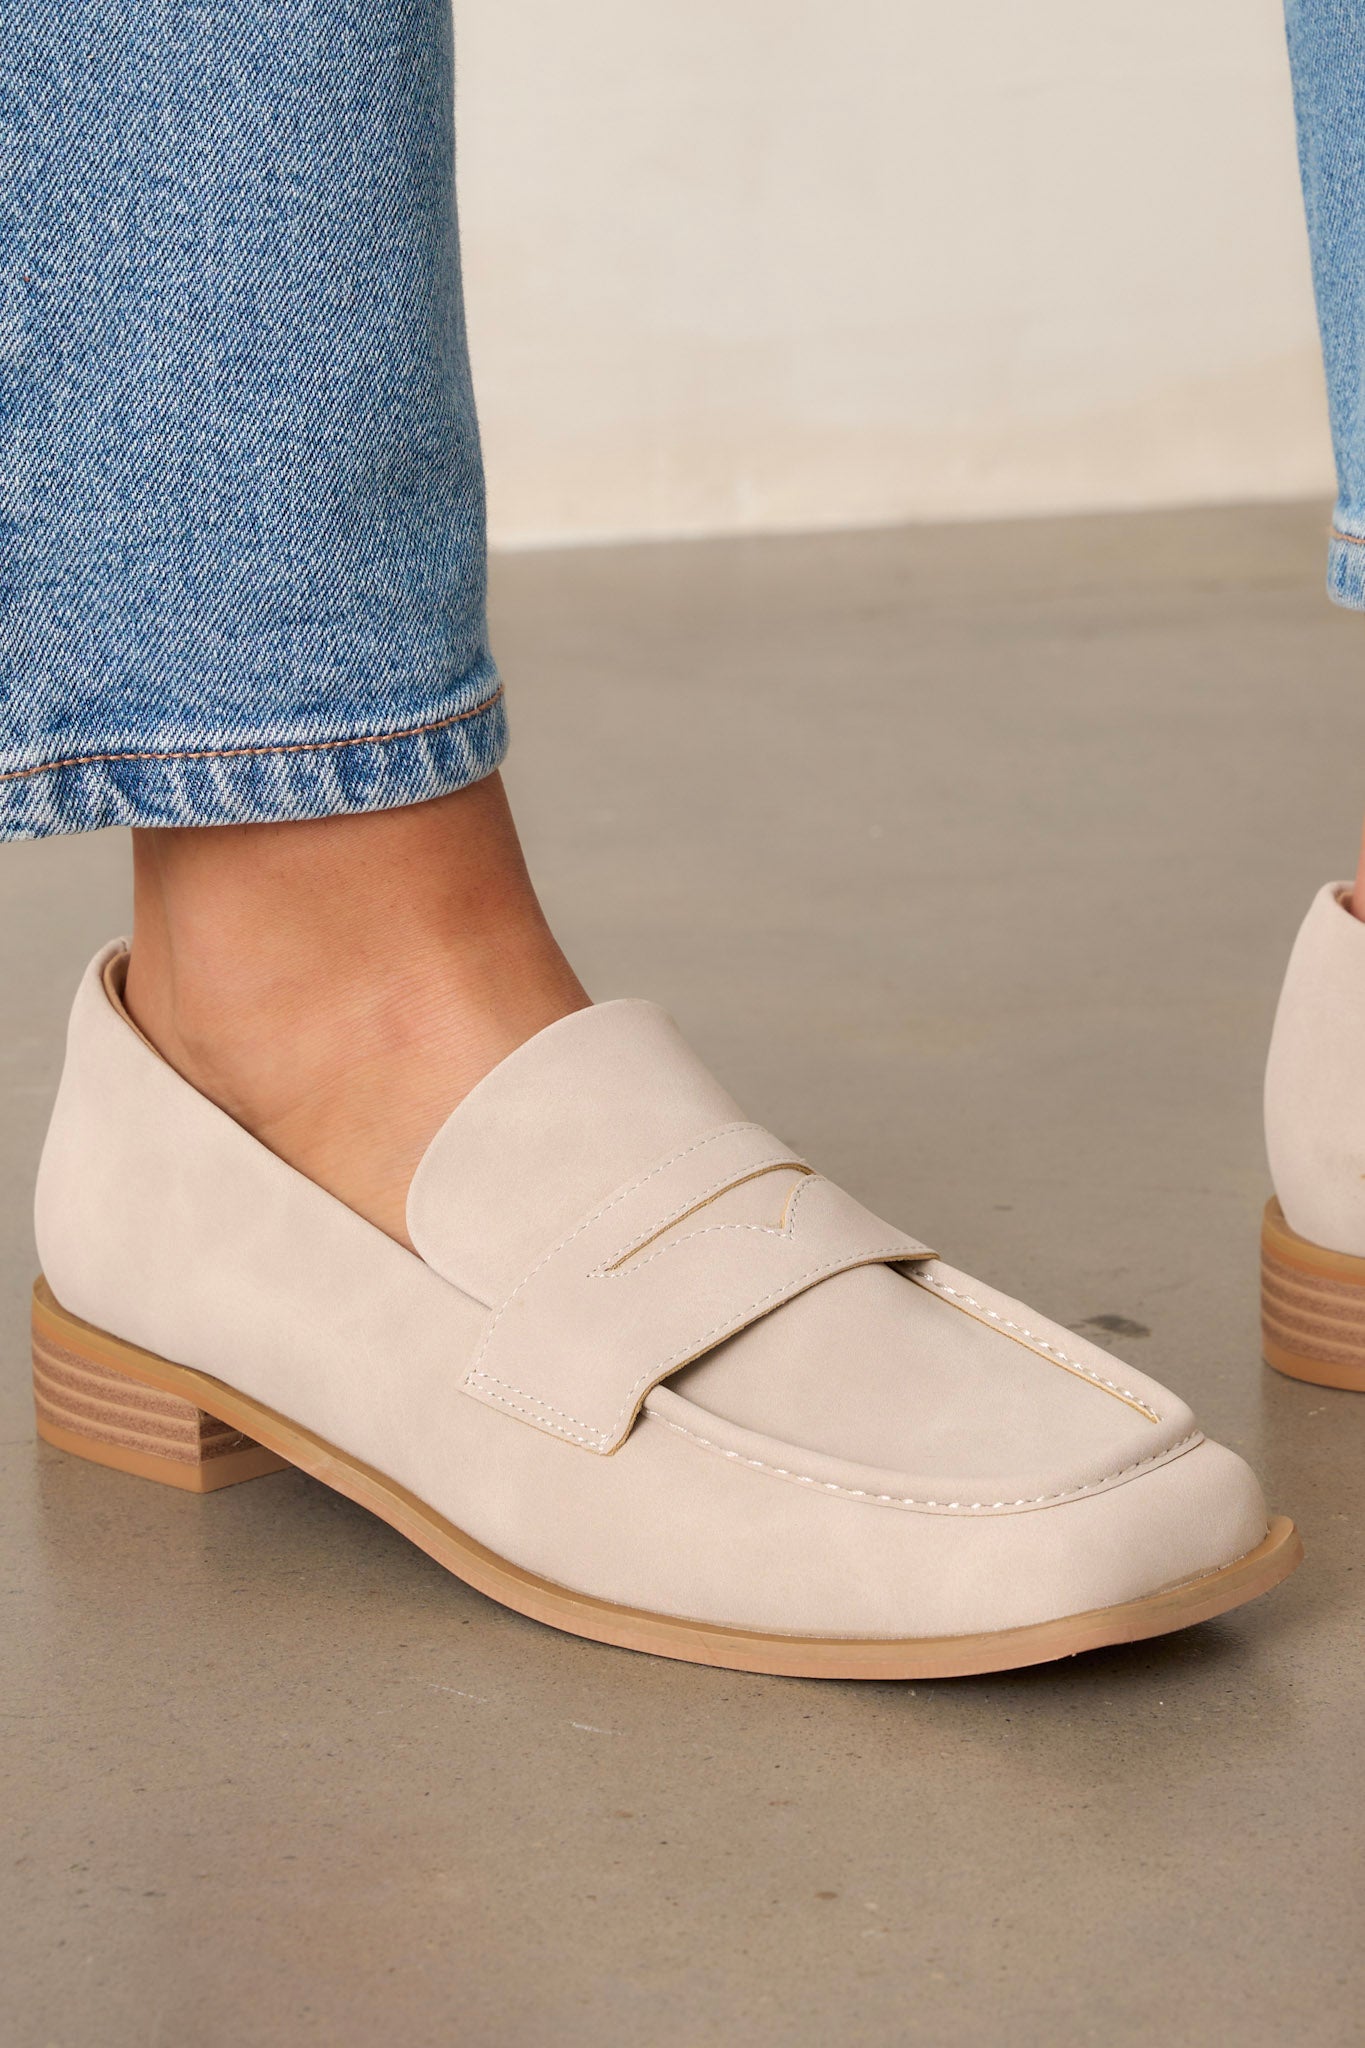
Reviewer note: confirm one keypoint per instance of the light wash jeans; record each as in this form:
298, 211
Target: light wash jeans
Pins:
241, 502
1327, 58
241, 498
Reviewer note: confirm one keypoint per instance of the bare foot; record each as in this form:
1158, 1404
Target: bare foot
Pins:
337, 985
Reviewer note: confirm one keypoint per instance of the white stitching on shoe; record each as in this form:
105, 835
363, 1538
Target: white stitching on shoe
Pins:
615, 1269
599, 1437
719, 1187
711, 1138
891, 1500
783, 1293
594, 1436
1051, 1350
891, 1255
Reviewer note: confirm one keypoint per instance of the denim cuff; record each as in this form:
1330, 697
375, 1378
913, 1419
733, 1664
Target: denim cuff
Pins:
1346, 565
261, 783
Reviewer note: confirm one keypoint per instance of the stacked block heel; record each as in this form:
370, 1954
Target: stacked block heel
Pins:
86, 1405
1312, 1307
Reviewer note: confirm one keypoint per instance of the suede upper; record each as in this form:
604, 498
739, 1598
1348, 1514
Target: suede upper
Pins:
1314, 1100
888, 1448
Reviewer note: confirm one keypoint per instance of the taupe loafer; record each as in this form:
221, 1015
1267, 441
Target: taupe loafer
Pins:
651, 1379
1313, 1231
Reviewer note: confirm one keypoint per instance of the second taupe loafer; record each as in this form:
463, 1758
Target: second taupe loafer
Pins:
1313, 1231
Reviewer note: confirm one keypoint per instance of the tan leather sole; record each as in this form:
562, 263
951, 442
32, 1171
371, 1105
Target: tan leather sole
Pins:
1312, 1307
106, 1400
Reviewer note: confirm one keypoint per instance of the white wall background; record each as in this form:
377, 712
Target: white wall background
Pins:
738, 265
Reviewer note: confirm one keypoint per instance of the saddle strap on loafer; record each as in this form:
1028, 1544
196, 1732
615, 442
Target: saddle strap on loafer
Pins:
705, 1242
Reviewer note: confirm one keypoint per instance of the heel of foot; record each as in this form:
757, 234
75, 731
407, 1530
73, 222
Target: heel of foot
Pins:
86, 1406
1312, 1307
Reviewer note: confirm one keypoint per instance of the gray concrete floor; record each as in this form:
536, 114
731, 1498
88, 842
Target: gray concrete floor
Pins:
971, 858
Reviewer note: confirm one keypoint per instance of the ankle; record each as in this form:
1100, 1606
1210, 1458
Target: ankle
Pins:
338, 990
263, 1041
